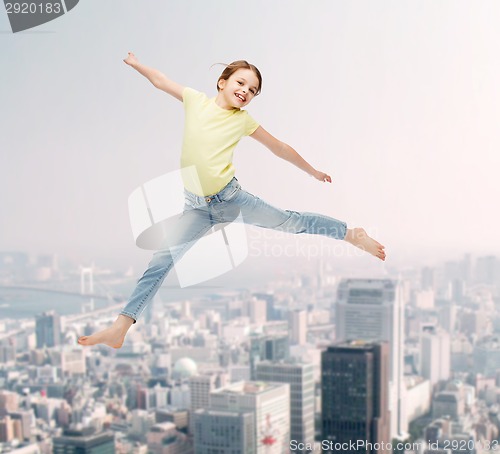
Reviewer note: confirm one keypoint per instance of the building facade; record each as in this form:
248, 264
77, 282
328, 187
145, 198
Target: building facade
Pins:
270, 405
354, 385
373, 310
224, 432
300, 377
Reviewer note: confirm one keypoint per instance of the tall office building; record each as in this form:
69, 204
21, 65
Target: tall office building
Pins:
270, 405
373, 310
224, 432
48, 330
300, 377
200, 387
84, 441
435, 354
271, 347
297, 322
354, 388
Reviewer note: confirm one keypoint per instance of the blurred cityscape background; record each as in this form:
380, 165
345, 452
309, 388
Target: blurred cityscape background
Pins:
303, 362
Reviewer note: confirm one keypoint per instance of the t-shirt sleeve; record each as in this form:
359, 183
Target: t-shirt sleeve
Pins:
250, 124
190, 96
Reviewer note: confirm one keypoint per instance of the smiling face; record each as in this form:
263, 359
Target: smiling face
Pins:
238, 90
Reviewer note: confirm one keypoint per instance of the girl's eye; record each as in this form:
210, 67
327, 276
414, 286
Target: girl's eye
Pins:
240, 83
252, 91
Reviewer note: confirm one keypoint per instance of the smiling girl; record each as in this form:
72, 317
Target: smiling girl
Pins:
213, 128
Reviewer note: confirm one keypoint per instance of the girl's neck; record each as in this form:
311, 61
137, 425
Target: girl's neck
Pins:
221, 102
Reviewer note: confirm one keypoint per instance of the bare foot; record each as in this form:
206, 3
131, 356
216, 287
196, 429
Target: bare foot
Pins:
112, 336
359, 238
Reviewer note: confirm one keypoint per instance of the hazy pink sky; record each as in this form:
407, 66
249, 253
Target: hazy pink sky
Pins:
398, 101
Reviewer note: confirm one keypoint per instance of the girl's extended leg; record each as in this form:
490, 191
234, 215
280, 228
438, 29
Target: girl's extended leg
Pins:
256, 211
182, 233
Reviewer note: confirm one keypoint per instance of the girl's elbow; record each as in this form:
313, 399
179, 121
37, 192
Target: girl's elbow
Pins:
282, 154
280, 149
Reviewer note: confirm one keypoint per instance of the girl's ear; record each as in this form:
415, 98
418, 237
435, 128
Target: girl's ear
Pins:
221, 83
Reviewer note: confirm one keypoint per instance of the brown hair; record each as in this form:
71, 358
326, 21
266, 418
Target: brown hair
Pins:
239, 64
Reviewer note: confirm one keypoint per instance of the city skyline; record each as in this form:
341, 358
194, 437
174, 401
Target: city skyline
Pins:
197, 358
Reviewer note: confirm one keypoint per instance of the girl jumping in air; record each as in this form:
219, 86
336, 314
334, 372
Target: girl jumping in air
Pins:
213, 127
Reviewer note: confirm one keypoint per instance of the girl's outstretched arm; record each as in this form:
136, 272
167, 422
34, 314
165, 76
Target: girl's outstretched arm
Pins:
284, 151
157, 78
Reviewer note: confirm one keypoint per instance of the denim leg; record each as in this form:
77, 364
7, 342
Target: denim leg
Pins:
257, 212
181, 233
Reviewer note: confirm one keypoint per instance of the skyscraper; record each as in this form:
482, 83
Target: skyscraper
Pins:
373, 310
200, 387
300, 377
354, 394
298, 327
48, 330
435, 354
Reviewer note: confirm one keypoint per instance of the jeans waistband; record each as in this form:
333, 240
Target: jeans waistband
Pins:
219, 197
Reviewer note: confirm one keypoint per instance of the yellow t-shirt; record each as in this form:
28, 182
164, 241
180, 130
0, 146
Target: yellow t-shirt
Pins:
210, 135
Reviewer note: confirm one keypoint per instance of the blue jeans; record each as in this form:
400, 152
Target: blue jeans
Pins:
202, 213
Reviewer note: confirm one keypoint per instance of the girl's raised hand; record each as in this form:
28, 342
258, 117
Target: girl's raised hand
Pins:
322, 176
131, 59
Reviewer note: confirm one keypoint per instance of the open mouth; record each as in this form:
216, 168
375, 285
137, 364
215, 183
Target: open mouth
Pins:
240, 97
